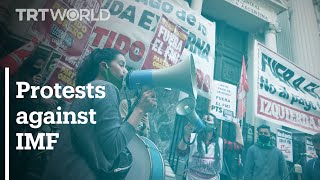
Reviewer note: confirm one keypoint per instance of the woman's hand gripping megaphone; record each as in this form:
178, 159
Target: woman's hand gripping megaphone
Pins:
188, 129
148, 101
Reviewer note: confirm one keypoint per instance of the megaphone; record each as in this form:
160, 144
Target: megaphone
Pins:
181, 76
186, 107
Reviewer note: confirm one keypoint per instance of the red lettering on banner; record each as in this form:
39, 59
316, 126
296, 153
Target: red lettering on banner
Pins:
206, 83
286, 114
110, 39
203, 81
100, 33
121, 42
137, 51
199, 78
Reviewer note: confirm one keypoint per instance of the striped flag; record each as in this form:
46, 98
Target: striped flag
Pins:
16, 58
242, 91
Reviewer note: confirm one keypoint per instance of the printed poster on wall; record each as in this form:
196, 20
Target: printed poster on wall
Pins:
310, 151
286, 94
61, 73
166, 46
132, 26
284, 143
68, 37
223, 100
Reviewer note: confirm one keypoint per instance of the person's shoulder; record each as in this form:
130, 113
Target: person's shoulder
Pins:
311, 162
277, 150
253, 147
102, 83
108, 86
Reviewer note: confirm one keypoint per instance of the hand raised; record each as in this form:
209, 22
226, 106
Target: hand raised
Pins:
148, 101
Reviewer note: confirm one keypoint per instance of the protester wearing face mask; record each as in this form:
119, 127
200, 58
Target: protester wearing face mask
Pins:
205, 149
263, 160
312, 169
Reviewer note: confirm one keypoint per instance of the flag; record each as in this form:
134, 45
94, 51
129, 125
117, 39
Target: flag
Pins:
16, 58
242, 91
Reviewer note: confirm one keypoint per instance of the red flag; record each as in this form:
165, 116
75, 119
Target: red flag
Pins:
16, 58
242, 91
243, 79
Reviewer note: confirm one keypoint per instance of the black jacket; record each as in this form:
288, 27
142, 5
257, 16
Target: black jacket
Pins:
312, 170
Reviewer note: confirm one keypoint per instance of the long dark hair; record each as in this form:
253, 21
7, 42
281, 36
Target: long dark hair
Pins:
215, 138
89, 68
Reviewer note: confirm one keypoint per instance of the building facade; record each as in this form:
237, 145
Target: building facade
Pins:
289, 28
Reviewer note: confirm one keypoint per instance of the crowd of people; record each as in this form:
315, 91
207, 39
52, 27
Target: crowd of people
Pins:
94, 152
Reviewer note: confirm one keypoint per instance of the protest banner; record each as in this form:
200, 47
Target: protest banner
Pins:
286, 94
284, 143
223, 100
68, 37
310, 151
166, 46
132, 26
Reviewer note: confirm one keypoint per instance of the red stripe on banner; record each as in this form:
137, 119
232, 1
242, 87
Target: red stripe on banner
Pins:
281, 112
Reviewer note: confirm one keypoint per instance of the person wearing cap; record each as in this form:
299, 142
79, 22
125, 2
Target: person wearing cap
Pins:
265, 161
312, 170
205, 149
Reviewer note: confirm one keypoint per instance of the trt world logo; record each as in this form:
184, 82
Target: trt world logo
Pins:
69, 14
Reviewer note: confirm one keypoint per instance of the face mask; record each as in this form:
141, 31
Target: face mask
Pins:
264, 139
110, 77
210, 127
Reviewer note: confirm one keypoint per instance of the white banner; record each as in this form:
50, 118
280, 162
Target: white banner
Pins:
284, 143
310, 151
132, 26
286, 94
223, 100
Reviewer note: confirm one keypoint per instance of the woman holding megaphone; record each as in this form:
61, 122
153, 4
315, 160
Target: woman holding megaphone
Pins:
205, 149
99, 151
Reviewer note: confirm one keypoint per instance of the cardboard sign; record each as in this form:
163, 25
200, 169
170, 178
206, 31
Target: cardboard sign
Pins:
284, 143
223, 100
310, 151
